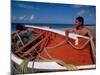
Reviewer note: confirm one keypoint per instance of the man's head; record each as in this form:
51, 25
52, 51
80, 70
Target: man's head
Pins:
79, 21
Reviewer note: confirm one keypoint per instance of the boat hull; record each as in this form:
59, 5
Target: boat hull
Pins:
54, 47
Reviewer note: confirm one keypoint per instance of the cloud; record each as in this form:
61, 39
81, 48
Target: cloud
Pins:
24, 18
27, 6
81, 12
85, 12
32, 17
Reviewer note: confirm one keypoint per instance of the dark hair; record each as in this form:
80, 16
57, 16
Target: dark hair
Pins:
20, 27
80, 19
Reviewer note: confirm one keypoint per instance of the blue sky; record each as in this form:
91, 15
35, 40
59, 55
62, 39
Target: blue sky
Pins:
34, 12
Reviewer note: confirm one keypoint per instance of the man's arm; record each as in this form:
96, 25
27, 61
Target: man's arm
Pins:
67, 32
92, 39
90, 34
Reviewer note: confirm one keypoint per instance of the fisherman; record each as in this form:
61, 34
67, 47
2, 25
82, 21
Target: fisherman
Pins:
80, 28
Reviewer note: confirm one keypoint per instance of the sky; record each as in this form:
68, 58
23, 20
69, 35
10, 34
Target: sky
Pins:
36, 12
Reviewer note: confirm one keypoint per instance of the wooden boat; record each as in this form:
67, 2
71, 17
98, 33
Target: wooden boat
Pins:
49, 50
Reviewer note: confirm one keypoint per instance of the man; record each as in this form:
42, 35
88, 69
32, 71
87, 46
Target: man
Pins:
80, 28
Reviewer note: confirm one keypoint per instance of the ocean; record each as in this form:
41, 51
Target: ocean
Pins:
61, 27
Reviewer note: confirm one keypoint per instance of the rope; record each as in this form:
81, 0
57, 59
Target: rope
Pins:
43, 58
48, 53
57, 45
93, 47
20, 39
93, 50
68, 66
23, 66
78, 48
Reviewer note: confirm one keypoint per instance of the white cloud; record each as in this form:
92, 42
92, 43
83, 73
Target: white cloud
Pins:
32, 17
81, 12
22, 17
87, 12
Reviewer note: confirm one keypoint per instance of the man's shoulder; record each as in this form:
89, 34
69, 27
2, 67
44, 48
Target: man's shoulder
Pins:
87, 29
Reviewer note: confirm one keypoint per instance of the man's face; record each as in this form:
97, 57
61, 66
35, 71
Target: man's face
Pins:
77, 23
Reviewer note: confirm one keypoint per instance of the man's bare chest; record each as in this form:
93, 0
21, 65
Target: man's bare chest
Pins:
81, 32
